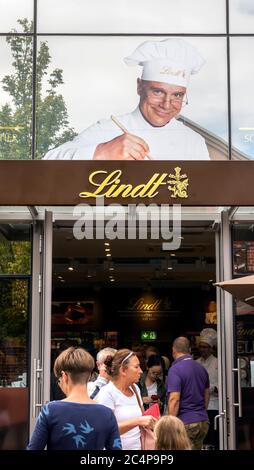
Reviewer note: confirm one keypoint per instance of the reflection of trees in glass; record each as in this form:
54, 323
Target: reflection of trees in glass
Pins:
52, 126
15, 256
13, 310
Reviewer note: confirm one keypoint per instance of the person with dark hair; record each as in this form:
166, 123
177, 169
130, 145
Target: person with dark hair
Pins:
150, 350
188, 389
77, 422
120, 394
151, 386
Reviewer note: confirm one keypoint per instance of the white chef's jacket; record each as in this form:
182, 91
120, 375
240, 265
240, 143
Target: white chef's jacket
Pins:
174, 141
211, 365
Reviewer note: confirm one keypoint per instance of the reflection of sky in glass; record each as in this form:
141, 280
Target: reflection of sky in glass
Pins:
242, 96
143, 16
98, 83
11, 11
241, 16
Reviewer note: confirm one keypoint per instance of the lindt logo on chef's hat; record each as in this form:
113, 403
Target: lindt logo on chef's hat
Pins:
169, 61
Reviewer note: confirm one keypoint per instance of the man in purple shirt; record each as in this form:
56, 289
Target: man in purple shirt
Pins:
188, 389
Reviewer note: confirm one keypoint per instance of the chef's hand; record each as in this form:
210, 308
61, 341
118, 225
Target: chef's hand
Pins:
124, 147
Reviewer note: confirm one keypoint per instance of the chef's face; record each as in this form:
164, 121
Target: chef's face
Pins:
205, 350
159, 102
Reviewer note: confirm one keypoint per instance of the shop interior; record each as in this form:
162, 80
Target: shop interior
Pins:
120, 293
123, 293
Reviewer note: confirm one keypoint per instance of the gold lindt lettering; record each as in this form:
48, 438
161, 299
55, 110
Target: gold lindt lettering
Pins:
125, 189
140, 305
156, 184
108, 181
111, 187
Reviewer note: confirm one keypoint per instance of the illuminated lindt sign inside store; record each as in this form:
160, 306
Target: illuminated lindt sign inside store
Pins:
110, 185
140, 305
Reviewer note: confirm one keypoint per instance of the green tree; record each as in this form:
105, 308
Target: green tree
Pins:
15, 256
52, 124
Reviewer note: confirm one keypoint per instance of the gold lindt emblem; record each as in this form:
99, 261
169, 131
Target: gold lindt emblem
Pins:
110, 185
170, 71
178, 184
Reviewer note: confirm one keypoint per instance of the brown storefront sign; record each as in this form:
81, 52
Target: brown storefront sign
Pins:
190, 183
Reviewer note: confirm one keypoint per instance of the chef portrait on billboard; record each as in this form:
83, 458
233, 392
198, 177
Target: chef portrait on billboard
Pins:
152, 130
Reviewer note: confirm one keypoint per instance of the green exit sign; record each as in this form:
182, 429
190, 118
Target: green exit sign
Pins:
148, 335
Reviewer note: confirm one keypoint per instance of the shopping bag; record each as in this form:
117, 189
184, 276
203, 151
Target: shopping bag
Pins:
147, 439
153, 410
147, 435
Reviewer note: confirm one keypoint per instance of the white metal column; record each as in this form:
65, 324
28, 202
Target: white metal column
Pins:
220, 421
41, 315
47, 294
226, 272
36, 343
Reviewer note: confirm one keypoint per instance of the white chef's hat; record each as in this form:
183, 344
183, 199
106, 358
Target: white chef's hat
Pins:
209, 336
169, 61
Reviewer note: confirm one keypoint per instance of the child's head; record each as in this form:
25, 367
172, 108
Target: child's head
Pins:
170, 434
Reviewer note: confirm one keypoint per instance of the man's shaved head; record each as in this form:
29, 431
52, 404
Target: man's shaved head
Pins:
181, 345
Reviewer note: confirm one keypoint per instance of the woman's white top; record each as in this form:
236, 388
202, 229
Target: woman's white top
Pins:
152, 389
124, 408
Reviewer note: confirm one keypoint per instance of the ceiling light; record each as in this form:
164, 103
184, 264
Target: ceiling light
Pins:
108, 254
70, 268
106, 244
107, 249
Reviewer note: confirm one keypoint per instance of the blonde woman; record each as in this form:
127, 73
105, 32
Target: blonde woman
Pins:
76, 422
120, 394
170, 434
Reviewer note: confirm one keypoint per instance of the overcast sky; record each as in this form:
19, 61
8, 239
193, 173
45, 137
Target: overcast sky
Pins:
97, 81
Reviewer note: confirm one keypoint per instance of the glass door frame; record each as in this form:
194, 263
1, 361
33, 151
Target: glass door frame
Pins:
16, 215
236, 399
41, 314
41, 306
226, 339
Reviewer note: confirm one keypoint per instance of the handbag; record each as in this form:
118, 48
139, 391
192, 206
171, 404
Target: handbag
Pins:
147, 435
147, 439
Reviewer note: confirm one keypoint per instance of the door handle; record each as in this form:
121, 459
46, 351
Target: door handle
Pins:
217, 417
36, 373
239, 404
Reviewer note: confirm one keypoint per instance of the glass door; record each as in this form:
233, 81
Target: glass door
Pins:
237, 327
25, 315
226, 417
41, 315
243, 264
15, 320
